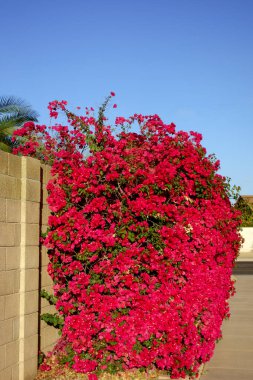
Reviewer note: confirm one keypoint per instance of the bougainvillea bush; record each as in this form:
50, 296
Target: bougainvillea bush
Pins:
142, 239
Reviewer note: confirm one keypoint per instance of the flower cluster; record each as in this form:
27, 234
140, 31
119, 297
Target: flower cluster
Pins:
142, 239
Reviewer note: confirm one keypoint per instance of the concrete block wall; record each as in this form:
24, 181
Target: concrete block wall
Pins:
48, 334
22, 266
10, 239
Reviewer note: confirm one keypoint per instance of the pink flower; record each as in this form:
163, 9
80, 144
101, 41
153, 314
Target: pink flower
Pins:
92, 377
141, 242
45, 367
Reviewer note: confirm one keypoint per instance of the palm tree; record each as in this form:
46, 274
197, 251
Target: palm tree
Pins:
14, 112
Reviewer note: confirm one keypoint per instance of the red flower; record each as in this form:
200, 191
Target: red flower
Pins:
92, 377
141, 240
45, 367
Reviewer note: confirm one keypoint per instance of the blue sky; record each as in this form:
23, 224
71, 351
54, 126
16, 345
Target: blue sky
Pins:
189, 61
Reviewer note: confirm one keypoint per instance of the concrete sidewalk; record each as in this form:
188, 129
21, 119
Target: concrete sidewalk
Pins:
233, 358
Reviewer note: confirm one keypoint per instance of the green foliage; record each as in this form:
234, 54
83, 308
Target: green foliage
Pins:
247, 212
14, 112
233, 192
53, 320
49, 297
138, 347
41, 357
69, 357
114, 367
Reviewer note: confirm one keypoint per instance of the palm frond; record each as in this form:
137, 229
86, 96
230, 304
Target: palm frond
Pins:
14, 112
12, 105
14, 120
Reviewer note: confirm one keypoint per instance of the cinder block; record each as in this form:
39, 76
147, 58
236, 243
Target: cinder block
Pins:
2, 258
46, 175
16, 190
45, 279
31, 280
50, 336
11, 308
15, 372
45, 194
44, 257
32, 257
5, 331
32, 190
45, 212
31, 302
15, 328
6, 284
48, 348
2, 210
16, 280
31, 324
44, 303
6, 374
9, 282
43, 328
32, 168
49, 288
44, 228
2, 357
47, 308
4, 162
31, 347
14, 168
2, 303
13, 210
12, 258
12, 352
30, 368
2, 185
10, 187
32, 212
32, 234
17, 237
7, 234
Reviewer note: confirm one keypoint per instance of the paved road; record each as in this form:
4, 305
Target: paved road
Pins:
233, 358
